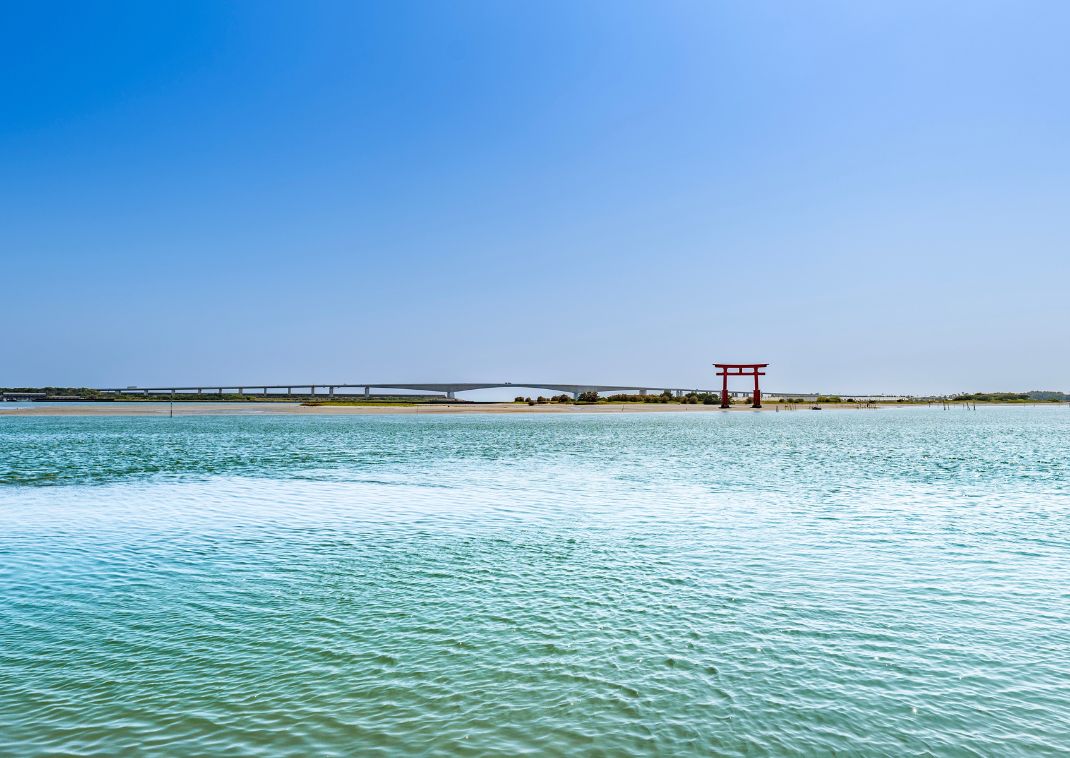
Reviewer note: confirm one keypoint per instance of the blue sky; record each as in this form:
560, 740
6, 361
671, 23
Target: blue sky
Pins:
869, 196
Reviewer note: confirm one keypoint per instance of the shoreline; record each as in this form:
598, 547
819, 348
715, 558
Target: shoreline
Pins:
296, 409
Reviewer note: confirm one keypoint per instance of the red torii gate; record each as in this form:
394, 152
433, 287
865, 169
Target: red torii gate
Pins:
741, 369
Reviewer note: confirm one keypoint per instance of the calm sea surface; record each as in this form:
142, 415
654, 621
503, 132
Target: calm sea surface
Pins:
892, 582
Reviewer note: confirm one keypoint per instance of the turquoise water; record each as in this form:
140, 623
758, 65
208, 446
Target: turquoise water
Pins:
887, 582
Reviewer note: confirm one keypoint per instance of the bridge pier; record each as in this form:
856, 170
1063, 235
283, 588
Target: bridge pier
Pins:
450, 395
642, 393
289, 391
330, 391
367, 392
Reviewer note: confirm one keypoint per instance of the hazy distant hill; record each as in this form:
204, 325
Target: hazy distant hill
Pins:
1047, 395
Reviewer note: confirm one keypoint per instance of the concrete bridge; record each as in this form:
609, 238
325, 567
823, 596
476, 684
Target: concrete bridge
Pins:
447, 389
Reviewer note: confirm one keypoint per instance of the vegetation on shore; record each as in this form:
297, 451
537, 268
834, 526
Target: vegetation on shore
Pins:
1059, 397
708, 398
391, 401
1036, 396
318, 403
589, 398
79, 392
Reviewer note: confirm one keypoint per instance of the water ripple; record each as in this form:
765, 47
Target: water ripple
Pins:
782, 584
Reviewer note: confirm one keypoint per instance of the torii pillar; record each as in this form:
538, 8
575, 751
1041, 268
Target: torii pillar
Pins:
740, 369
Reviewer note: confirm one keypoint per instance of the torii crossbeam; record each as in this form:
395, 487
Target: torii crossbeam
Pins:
740, 369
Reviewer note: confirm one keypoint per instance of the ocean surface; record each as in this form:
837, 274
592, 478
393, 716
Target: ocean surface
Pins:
889, 582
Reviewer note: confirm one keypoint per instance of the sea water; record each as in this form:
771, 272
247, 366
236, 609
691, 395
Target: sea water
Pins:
870, 582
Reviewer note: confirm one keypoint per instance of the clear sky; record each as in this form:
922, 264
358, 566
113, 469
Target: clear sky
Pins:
869, 196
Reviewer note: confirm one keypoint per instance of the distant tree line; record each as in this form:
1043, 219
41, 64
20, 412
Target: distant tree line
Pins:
585, 397
1049, 395
79, 391
690, 398
1013, 397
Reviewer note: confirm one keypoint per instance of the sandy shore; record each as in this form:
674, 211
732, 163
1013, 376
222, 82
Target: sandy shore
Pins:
244, 409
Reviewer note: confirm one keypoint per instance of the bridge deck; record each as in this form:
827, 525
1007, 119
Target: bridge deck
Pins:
451, 388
